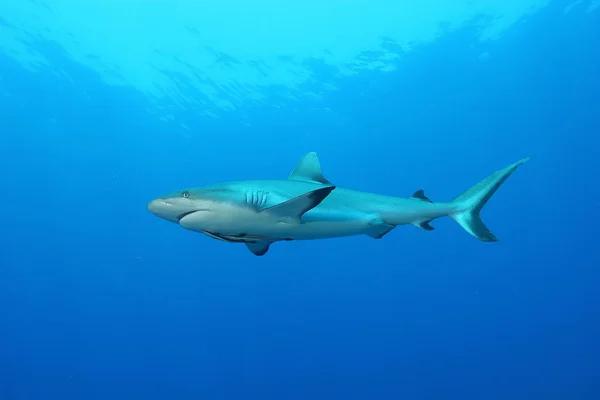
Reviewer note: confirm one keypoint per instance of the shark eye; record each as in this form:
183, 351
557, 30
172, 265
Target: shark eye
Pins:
186, 194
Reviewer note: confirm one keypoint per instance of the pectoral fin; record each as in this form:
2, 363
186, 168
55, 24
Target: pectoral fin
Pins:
259, 248
296, 207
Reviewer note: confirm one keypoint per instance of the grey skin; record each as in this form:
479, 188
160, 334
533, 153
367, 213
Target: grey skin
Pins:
307, 206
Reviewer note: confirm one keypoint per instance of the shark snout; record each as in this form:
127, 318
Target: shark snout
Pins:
156, 206
163, 209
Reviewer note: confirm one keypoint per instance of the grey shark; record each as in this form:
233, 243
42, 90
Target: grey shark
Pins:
307, 206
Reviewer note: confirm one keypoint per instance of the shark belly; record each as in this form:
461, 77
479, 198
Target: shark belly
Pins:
229, 219
329, 229
324, 222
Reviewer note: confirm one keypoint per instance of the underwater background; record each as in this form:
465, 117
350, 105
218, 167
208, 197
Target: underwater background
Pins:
105, 105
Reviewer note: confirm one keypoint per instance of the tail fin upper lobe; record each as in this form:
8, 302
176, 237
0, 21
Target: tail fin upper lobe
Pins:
470, 203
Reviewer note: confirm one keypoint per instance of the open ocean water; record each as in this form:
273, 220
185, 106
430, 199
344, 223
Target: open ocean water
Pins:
105, 105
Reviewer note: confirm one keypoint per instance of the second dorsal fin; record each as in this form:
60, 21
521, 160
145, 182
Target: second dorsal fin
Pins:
309, 169
420, 194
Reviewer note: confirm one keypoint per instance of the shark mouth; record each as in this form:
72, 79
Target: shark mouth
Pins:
242, 238
185, 214
180, 217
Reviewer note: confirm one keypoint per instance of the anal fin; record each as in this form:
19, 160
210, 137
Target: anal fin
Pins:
424, 225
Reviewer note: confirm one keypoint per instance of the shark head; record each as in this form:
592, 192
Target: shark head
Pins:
256, 213
177, 205
244, 209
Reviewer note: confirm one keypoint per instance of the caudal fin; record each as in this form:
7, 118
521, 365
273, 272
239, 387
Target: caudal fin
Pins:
470, 203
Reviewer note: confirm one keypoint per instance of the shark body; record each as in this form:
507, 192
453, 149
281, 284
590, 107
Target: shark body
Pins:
306, 206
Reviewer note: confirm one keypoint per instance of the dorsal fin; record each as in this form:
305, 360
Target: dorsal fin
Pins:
309, 169
420, 194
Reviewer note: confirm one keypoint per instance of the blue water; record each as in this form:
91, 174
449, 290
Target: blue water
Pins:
101, 300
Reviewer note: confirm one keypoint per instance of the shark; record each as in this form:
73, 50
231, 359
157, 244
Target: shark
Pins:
307, 206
